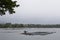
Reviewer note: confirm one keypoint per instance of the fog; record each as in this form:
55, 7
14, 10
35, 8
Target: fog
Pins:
34, 12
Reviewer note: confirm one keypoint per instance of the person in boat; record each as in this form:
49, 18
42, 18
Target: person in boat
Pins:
25, 32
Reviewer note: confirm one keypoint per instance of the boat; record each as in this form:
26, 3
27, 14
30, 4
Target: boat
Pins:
37, 33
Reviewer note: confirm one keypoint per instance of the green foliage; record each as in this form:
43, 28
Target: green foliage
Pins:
9, 25
7, 5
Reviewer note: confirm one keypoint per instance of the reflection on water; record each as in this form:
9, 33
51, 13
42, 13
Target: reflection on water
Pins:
15, 34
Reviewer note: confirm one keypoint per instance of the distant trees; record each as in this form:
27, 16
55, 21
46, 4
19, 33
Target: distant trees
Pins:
7, 5
9, 25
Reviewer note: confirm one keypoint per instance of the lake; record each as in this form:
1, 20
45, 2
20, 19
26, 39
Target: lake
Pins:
15, 34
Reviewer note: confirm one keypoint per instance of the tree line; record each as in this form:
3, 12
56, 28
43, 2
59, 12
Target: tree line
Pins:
9, 25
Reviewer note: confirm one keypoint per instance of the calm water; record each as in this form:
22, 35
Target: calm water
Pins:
15, 34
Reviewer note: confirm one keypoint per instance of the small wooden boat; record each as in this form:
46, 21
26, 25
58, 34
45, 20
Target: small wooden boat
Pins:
37, 33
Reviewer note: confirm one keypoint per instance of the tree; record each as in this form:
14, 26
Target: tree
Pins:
7, 5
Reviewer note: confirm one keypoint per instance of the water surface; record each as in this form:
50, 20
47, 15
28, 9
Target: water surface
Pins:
15, 34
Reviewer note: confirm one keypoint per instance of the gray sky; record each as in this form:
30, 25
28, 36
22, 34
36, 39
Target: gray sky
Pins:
35, 12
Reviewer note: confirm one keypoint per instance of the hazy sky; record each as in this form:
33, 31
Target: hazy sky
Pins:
35, 12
